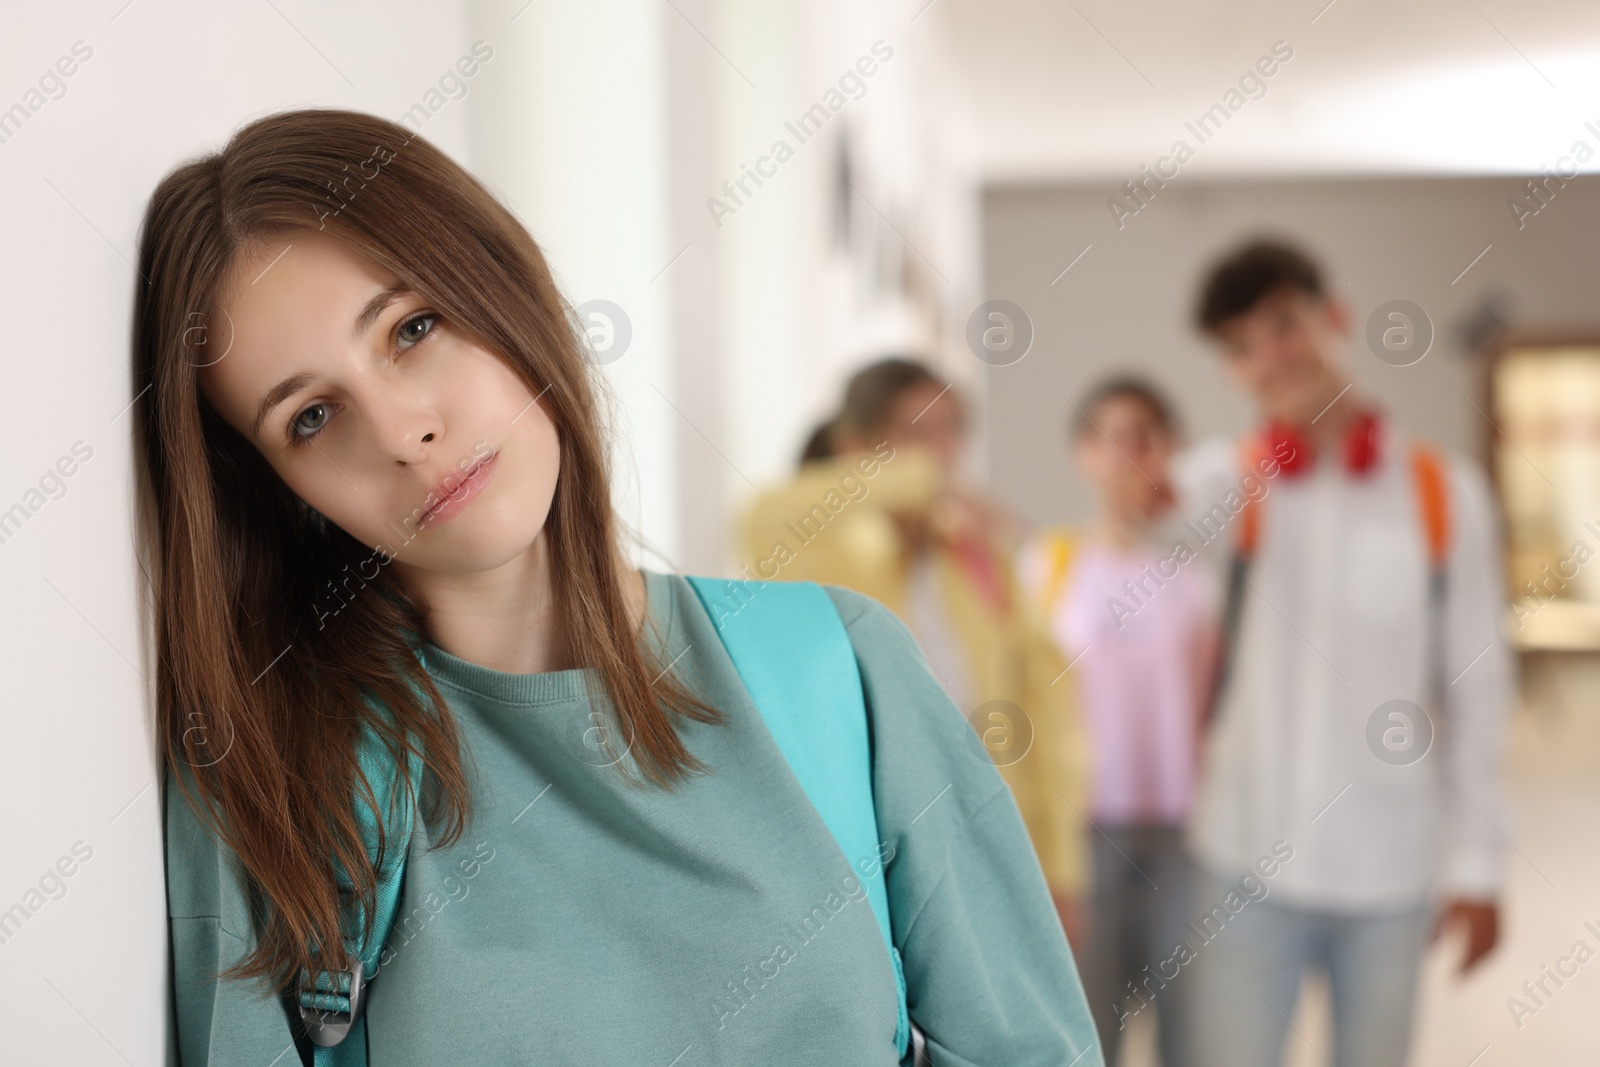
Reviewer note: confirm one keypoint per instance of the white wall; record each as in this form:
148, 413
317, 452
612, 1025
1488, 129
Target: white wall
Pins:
84, 979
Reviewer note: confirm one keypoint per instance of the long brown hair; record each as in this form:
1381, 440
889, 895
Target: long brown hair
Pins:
260, 697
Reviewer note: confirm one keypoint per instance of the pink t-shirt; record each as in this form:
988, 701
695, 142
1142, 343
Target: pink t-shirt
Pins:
1133, 620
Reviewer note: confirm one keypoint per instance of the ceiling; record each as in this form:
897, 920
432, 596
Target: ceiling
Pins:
1052, 89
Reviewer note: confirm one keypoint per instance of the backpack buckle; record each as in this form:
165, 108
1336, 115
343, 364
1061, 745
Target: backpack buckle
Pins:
326, 1022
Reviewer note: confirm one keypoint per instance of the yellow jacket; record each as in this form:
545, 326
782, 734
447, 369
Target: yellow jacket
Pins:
831, 523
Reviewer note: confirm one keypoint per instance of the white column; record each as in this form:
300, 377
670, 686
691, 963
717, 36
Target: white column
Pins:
573, 135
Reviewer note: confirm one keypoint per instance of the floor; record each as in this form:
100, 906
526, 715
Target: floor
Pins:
1553, 889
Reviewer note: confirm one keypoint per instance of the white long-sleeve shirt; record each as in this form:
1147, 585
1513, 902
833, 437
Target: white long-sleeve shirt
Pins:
1335, 622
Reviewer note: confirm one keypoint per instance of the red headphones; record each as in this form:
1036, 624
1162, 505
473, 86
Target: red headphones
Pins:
1360, 445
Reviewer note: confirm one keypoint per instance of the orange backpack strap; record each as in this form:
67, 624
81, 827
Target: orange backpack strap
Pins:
1432, 489
1428, 472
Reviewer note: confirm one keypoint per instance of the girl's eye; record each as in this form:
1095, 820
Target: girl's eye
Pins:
302, 430
407, 337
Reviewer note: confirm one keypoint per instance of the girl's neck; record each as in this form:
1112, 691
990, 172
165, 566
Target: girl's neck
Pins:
1118, 531
506, 618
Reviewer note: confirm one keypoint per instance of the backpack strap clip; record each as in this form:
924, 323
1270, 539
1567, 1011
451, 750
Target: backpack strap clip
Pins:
334, 1006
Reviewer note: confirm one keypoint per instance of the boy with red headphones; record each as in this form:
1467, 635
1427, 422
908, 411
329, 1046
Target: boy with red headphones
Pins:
1364, 683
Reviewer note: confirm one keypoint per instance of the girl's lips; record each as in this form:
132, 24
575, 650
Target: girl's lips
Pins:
470, 487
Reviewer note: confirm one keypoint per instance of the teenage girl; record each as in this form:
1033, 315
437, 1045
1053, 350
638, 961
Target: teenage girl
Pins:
399, 652
1134, 613
886, 513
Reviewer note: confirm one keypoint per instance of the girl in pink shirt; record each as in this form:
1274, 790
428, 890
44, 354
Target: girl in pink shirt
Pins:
1133, 612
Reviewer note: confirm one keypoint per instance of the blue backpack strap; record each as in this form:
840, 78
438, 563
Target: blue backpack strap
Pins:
332, 997
791, 650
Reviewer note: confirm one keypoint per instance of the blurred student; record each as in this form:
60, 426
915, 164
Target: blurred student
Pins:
1349, 799
1136, 620
882, 512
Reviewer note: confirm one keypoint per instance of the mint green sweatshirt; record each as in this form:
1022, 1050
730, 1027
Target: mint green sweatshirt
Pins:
585, 921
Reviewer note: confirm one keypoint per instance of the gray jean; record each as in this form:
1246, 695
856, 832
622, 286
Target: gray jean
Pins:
1139, 903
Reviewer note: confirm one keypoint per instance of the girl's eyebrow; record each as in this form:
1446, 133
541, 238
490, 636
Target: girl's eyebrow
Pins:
374, 307
277, 395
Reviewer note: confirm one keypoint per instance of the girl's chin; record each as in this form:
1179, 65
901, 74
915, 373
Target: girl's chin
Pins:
471, 548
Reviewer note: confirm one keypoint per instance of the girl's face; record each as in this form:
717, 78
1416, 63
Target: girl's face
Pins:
377, 413
1126, 456
928, 416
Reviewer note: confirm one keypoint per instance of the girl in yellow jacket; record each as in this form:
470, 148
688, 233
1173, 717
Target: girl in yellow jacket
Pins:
879, 512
